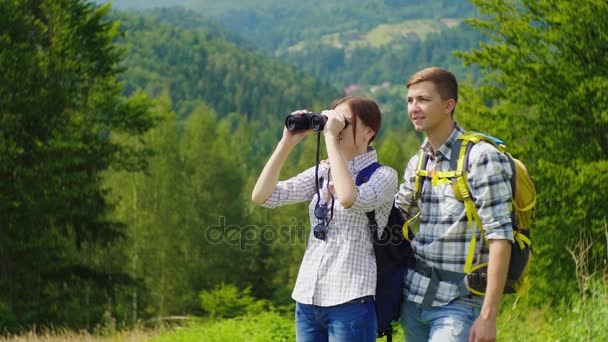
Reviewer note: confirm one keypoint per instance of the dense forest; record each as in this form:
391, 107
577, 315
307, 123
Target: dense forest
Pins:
274, 24
130, 141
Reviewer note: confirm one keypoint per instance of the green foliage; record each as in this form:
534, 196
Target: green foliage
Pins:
272, 24
545, 93
190, 65
343, 65
227, 301
8, 321
60, 100
580, 318
577, 319
89, 234
266, 326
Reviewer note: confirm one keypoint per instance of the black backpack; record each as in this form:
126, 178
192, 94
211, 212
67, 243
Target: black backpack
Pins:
393, 253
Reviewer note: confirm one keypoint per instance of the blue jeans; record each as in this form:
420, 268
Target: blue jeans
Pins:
349, 322
448, 323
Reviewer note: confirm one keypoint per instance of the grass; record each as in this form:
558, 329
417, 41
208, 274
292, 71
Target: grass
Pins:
267, 326
71, 336
580, 319
383, 34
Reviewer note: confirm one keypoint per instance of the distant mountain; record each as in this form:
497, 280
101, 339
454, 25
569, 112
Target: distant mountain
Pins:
143, 4
191, 65
275, 24
183, 18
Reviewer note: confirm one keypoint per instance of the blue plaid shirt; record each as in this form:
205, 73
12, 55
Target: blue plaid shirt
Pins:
444, 235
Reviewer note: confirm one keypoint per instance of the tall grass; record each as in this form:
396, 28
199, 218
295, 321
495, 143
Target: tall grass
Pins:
71, 336
573, 320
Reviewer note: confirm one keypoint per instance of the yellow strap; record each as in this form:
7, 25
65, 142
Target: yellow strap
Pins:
406, 225
461, 155
475, 137
469, 262
436, 180
469, 208
521, 239
526, 208
419, 173
444, 174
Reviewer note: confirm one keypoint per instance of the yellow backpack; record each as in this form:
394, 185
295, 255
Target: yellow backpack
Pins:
522, 211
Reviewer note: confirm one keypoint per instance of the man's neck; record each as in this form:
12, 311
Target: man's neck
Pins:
440, 135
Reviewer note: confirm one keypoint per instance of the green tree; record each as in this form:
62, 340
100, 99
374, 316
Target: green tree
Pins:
59, 103
546, 93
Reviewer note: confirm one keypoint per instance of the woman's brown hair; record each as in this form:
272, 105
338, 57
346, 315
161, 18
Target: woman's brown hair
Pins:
365, 110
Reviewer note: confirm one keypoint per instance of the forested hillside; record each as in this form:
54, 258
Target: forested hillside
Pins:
273, 24
192, 62
341, 41
130, 143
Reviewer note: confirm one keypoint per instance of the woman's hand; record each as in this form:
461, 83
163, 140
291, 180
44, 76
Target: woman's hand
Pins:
268, 179
292, 138
335, 123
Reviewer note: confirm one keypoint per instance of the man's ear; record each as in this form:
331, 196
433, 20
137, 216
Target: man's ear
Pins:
450, 105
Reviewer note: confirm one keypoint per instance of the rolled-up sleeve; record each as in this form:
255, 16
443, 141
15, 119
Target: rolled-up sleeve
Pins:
405, 199
297, 189
490, 181
380, 189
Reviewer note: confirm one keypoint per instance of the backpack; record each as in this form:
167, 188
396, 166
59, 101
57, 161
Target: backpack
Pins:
393, 252
522, 211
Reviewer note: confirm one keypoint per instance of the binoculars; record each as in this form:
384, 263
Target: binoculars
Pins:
302, 122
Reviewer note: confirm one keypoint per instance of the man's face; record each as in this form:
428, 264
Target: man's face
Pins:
426, 109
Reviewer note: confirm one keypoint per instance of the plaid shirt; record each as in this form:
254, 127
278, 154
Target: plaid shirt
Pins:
343, 267
444, 235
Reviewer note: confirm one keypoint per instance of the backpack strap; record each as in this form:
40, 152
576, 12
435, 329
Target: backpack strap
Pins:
419, 177
364, 175
421, 174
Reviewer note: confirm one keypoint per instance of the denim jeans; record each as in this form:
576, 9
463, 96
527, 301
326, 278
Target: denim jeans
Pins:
349, 322
448, 323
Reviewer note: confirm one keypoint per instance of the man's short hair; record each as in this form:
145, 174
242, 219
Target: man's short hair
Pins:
444, 81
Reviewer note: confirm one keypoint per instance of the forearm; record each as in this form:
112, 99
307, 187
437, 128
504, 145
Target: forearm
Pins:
269, 177
498, 266
346, 191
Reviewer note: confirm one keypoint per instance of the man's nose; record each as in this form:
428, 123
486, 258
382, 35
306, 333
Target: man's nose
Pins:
412, 106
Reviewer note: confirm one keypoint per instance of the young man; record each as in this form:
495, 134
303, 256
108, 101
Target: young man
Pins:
438, 307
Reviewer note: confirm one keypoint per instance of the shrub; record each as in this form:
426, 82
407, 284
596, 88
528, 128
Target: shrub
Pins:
228, 301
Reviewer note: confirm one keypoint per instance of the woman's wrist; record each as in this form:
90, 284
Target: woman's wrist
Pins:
287, 144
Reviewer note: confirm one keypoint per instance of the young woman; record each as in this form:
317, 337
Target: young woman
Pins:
337, 277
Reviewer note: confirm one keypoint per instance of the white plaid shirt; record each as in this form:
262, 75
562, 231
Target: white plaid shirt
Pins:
343, 267
444, 235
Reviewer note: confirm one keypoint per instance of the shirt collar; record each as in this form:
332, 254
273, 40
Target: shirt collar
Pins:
362, 160
444, 150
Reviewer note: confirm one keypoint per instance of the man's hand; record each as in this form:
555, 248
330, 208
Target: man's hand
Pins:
484, 327
483, 330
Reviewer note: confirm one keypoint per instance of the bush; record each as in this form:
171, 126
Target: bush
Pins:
264, 327
227, 301
8, 321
